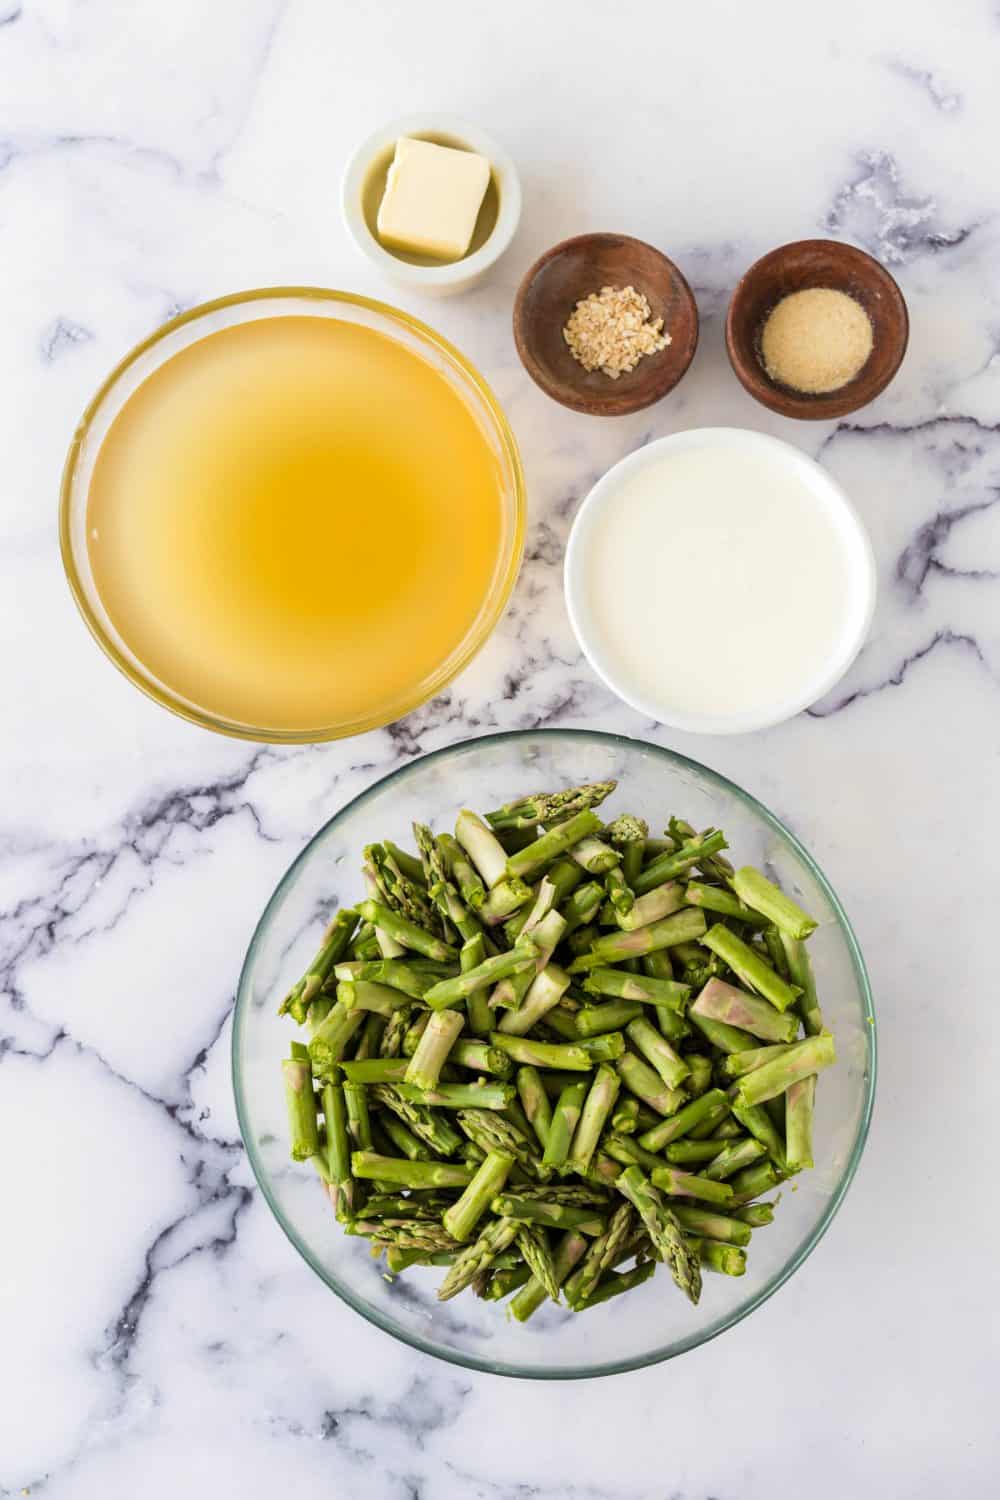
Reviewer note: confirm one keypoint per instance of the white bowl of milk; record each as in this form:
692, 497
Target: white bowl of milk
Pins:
719, 580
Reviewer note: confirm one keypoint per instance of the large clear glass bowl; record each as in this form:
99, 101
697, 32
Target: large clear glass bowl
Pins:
655, 1322
247, 307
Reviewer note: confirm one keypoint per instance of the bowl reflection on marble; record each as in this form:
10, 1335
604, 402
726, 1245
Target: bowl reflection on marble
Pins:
655, 1321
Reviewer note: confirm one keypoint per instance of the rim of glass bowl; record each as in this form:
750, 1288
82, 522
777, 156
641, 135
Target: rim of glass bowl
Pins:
680, 1346
130, 666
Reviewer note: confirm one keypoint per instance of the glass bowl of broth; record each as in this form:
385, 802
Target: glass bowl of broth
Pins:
292, 514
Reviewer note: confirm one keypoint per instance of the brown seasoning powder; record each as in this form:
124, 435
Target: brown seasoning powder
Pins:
816, 340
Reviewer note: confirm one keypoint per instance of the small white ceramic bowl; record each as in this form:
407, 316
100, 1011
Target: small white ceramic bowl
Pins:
452, 276
858, 601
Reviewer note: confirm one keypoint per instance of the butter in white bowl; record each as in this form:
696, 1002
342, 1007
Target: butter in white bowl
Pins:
432, 199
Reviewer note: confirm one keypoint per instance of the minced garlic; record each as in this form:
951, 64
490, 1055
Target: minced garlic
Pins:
816, 340
611, 330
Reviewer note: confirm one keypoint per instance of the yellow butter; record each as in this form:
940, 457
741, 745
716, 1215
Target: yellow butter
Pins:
432, 199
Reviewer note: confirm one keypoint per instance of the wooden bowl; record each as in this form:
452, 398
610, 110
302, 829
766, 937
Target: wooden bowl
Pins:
569, 272
793, 268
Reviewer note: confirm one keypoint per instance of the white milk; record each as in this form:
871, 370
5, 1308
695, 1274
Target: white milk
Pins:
722, 582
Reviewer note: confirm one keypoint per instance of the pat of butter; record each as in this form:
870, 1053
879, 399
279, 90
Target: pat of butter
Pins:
432, 199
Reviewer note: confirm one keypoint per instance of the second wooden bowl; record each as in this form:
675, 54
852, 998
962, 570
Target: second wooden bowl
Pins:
569, 272
794, 268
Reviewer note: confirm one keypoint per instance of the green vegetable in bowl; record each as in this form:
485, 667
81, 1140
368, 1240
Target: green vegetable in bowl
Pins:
548, 1048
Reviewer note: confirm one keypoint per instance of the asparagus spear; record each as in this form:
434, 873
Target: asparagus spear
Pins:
749, 966
718, 899
465, 876
752, 1181
493, 1132
733, 1158
405, 1142
656, 904
714, 1226
495, 1237
681, 927
329, 1041
801, 1060
375, 1070
406, 932
462, 1217
721, 1035
535, 1102
593, 1117
552, 1215
729, 1260
439, 1036
581, 909
480, 1057
433, 1129
379, 999
638, 987
477, 1006
762, 1128
594, 855
602, 1255
615, 1283
625, 1116
478, 1095
680, 1184
628, 1153
409, 1174
548, 807
532, 861
546, 990
336, 938
640, 1079
801, 972
664, 1230
799, 1101
757, 1215
569, 1250
343, 1194
482, 846
699, 1073
504, 899
452, 991
724, 1002
668, 866
300, 1097
523, 1049
688, 1153
656, 1050
708, 1106
598, 1020
739, 1063
534, 1246
565, 1118
764, 896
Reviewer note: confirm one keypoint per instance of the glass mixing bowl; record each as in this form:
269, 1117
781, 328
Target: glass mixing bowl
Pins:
245, 307
655, 1321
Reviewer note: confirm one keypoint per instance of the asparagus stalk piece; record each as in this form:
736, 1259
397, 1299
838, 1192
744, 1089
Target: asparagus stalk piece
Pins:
546, 990
625, 1116
801, 1060
714, 1226
448, 992
439, 1036
379, 999
534, 1246
532, 861
664, 1230
495, 1238
733, 1157
749, 966
663, 901
640, 1080
570, 1055
628, 1153
406, 932
548, 807
398, 1206
639, 987
799, 1101
615, 1283
712, 1105
757, 1215
594, 855
375, 1070
502, 1283
396, 973
462, 1217
567, 1253
722, 1036
431, 1128
552, 1215
334, 945
503, 900
756, 1121
405, 1142
619, 892
300, 1098
602, 1255
729, 1260
477, 1007
482, 846
343, 1195
739, 1063
480, 1057
718, 899
465, 876
657, 1051
680, 1184
608, 1047
329, 1041
689, 1153
801, 972
724, 1002
764, 896
581, 908
565, 1118
593, 1117
535, 1102
681, 927
699, 1073
752, 1181
494, 1132
598, 1020
478, 1095
545, 933
409, 1174
668, 866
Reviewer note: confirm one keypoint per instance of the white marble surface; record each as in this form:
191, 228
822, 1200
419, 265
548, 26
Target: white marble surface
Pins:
157, 1333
